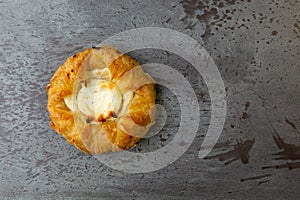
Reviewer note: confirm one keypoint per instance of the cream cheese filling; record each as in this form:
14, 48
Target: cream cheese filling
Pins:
98, 98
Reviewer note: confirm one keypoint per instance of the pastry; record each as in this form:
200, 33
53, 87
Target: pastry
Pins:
101, 101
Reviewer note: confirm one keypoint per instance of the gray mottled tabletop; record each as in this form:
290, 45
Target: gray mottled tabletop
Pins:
255, 45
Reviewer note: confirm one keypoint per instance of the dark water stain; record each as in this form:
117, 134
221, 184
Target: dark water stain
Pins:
200, 10
191, 6
291, 124
208, 13
288, 152
247, 105
288, 165
207, 33
240, 152
256, 177
205, 17
245, 115
261, 182
274, 33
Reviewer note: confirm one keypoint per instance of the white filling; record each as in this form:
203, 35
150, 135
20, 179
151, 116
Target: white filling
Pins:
99, 99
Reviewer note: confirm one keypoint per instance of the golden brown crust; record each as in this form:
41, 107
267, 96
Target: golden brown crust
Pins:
120, 66
110, 134
61, 85
141, 104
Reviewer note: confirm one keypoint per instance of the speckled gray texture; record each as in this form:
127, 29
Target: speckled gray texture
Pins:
255, 45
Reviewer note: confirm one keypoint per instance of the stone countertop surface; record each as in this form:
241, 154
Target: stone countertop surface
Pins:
255, 45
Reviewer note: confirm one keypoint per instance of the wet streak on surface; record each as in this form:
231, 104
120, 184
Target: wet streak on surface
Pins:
289, 165
288, 151
247, 105
240, 152
291, 124
255, 177
261, 182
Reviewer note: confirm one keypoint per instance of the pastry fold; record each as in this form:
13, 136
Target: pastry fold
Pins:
122, 130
